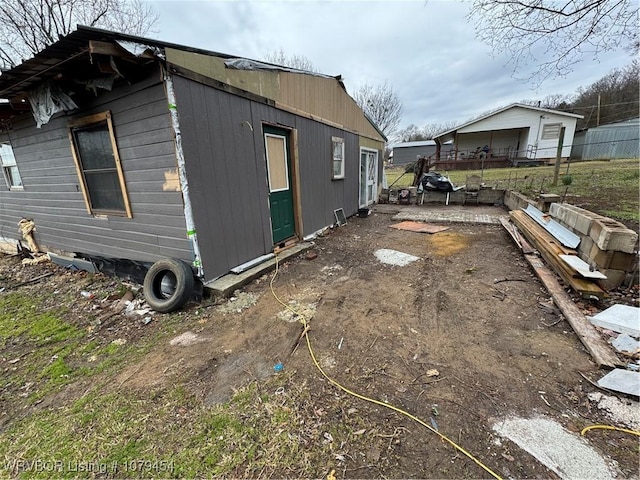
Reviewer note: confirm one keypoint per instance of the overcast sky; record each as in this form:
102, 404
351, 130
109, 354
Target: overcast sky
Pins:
427, 51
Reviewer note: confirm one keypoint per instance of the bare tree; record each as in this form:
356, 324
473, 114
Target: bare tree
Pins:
382, 106
29, 26
413, 133
299, 62
410, 134
553, 101
559, 33
613, 98
430, 130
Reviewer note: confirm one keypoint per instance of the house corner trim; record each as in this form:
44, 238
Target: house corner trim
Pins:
182, 173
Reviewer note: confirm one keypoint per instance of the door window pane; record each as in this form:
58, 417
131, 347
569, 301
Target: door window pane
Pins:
277, 163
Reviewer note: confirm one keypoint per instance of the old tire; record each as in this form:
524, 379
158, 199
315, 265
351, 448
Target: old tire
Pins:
168, 285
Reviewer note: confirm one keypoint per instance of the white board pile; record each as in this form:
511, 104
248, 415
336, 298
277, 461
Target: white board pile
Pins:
619, 318
620, 380
624, 320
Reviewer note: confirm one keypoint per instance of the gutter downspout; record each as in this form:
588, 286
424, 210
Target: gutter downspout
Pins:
182, 173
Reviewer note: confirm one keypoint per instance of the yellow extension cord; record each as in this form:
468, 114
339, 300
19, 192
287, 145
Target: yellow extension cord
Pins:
609, 427
367, 399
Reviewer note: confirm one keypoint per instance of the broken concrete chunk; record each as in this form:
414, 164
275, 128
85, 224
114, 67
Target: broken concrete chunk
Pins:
619, 318
623, 381
561, 451
393, 257
619, 410
626, 344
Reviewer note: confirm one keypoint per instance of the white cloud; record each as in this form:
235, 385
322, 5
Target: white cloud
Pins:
426, 50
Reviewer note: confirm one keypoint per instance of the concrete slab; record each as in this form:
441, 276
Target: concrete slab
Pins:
444, 214
626, 344
620, 380
562, 452
393, 257
619, 318
227, 284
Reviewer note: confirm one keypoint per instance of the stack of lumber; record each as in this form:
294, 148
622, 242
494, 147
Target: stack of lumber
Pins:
551, 250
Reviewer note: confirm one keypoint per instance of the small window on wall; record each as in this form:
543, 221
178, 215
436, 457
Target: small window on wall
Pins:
337, 152
98, 163
9, 167
551, 131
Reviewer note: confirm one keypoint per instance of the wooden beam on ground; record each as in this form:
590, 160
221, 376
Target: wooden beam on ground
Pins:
512, 230
588, 335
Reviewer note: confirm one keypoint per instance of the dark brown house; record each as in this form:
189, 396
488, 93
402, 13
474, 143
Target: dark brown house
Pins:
125, 147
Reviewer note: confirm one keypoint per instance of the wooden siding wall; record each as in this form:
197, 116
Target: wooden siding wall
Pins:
52, 194
311, 94
226, 168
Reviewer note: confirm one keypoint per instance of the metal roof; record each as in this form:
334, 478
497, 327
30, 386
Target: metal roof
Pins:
496, 112
420, 143
73, 54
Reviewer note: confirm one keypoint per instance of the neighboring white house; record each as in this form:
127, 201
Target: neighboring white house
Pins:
519, 133
407, 152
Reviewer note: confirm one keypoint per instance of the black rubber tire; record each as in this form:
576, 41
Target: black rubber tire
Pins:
172, 272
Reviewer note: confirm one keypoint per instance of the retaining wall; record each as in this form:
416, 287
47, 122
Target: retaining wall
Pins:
604, 243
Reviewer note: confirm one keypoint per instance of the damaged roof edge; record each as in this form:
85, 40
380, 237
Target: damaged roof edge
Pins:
76, 43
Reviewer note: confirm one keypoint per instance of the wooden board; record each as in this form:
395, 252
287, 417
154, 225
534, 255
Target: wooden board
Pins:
512, 230
588, 335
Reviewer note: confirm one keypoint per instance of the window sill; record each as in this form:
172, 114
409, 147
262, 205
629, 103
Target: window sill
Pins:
104, 215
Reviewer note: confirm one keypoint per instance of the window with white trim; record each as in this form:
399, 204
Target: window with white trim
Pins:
98, 163
9, 167
551, 131
337, 158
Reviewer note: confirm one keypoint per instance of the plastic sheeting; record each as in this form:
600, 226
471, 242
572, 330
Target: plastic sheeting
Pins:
247, 64
48, 99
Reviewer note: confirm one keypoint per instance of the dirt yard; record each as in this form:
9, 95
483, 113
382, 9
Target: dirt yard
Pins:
458, 338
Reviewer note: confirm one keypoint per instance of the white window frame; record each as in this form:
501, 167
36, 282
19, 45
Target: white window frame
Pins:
10, 169
335, 141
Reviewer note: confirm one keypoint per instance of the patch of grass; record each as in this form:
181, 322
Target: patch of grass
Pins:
21, 316
55, 371
50, 352
174, 434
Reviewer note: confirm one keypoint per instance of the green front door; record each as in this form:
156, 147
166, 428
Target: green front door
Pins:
276, 143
